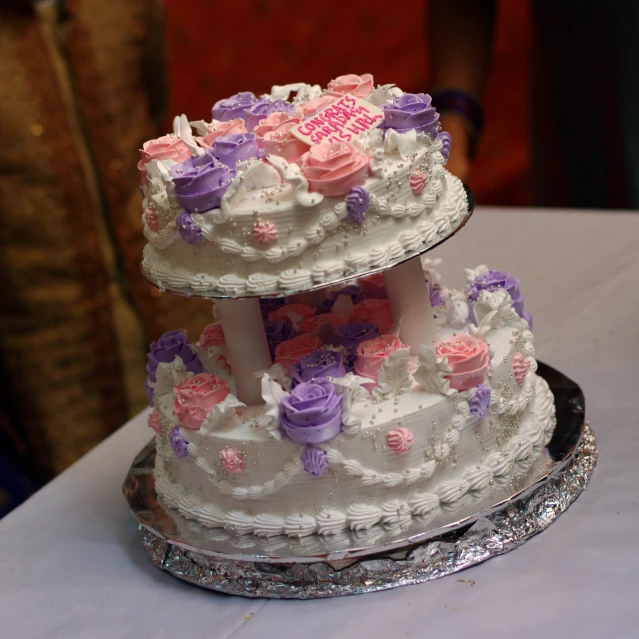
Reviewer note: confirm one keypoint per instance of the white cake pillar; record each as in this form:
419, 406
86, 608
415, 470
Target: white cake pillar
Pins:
246, 344
409, 298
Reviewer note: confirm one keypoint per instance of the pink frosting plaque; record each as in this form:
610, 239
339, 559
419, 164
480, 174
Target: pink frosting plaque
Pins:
341, 121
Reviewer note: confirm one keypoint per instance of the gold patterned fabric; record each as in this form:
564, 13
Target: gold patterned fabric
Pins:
78, 82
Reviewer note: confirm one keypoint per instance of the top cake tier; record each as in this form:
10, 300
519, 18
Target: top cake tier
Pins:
297, 189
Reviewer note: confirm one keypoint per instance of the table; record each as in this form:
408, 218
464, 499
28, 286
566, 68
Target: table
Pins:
71, 564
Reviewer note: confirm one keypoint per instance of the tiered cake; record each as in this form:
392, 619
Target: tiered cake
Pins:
348, 405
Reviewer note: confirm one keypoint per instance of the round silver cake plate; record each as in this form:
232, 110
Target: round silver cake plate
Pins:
213, 295
476, 528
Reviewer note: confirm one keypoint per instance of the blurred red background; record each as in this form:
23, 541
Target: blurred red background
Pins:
252, 45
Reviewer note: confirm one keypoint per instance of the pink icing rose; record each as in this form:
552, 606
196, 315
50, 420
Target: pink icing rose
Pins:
467, 358
283, 143
373, 286
313, 324
520, 367
212, 335
154, 422
151, 219
359, 85
372, 353
292, 313
313, 106
273, 121
291, 351
196, 396
374, 312
334, 168
232, 460
217, 129
400, 439
168, 147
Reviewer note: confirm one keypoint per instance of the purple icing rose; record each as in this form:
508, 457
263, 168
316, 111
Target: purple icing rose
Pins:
411, 111
278, 331
270, 304
201, 181
528, 317
491, 281
357, 202
149, 390
236, 147
350, 336
319, 364
353, 291
171, 345
263, 107
312, 413
178, 443
480, 403
188, 229
447, 141
314, 461
234, 107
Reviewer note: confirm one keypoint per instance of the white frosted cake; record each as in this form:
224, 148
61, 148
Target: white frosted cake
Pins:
354, 406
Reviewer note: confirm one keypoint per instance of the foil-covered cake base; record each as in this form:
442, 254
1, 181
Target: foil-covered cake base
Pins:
450, 539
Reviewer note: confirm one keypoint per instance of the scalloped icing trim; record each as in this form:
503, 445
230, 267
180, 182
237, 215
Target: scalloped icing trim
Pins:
427, 233
362, 516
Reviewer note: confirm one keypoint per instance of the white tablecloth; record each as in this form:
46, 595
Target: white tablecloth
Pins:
71, 564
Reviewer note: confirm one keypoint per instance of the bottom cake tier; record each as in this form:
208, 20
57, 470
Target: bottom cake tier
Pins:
404, 443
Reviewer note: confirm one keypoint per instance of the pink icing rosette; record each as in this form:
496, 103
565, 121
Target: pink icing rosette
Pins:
372, 353
291, 351
167, 147
358, 85
334, 168
292, 313
217, 129
151, 219
467, 358
154, 422
400, 439
232, 460
196, 396
374, 311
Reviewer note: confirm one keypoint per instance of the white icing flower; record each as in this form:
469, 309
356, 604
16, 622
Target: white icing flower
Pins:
432, 370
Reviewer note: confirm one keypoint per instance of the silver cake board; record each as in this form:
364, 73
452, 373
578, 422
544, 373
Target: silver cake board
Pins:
450, 539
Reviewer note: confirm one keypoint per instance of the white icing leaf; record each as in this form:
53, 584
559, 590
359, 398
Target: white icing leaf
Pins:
169, 375
404, 143
258, 175
473, 273
272, 394
220, 413
383, 93
304, 92
293, 174
354, 396
431, 372
499, 306
394, 375
182, 129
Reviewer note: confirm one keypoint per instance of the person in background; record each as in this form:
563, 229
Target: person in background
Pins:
584, 97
